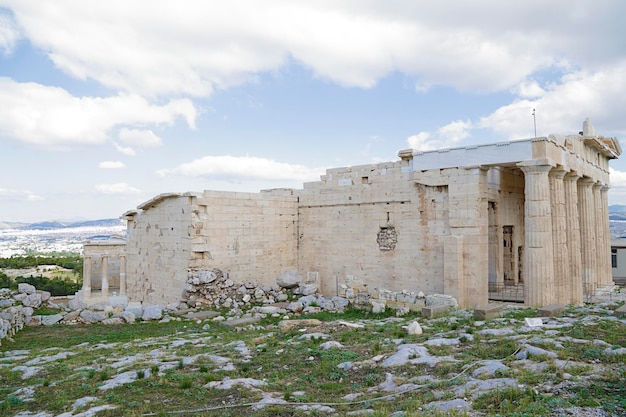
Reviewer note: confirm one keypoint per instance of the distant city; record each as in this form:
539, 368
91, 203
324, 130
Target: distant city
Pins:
17, 239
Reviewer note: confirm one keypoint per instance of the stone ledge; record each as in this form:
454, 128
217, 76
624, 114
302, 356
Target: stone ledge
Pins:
435, 311
620, 311
551, 310
490, 311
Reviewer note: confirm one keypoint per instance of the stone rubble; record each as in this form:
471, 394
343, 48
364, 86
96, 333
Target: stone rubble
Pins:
480, 377
206, 289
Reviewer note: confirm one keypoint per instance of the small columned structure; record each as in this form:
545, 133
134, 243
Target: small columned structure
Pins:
104, 270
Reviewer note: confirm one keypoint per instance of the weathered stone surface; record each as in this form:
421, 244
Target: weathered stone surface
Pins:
551, 310
378, 306
289, 279
340, 303
25, 288
414, 328
152, 313
32, 321
52, 319
45, 295
240, 322
435, 311
285, 326
306, 289
71, 316
32, 300
113, 320
90, 316
295, 306
488, 312
621, 311
7, 303
127, 316
441, 299
76, 304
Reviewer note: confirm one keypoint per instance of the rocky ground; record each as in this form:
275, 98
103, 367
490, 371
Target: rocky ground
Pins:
271, 361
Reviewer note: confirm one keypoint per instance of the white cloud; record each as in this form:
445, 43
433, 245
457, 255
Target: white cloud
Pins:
529, 89
445, 137
618, 178
111, 165
232, 168
126, 150
140, 138
9, 34
156, 49
118, 188
50, 117
20, 195
599, 95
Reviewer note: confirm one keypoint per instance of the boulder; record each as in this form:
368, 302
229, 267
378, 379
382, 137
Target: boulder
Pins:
76, 304
152, 312
135, 308
6, 303
289, 279
71, 316
306, 289
32, 320
90, 316
340, 303
45, 295
285, 326
325, 304
24, 288
378, 306
50, 320
127, 316
295, 306
32, 300
414, 329
206, 277
113, 320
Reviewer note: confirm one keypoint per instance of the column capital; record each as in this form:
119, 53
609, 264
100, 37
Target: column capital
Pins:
572, 176
536, 166
558, 173
587, 181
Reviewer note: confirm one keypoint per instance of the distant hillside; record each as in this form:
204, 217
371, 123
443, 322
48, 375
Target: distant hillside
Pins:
11, 225
53, 224
617, 208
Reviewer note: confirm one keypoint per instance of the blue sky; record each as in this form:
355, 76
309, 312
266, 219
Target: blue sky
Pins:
105, 104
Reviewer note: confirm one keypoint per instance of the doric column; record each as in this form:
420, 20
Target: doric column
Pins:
105, 276
604, 238
87, 276
538, 255
559, 237
573, 238
587, 233
122, 274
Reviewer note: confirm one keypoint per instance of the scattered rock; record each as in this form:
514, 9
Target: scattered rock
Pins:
289, 279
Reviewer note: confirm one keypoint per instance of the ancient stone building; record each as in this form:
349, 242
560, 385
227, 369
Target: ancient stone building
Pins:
530, 215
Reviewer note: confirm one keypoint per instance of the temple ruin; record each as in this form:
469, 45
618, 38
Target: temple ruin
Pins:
471, 222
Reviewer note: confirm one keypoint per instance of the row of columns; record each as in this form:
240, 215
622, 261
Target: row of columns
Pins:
87, 266
567, 235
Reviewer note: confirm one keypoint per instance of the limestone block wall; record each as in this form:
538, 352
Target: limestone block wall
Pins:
372, 224
159, 249
251, 236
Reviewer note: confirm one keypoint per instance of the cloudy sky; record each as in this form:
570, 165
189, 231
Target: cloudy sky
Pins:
104, 104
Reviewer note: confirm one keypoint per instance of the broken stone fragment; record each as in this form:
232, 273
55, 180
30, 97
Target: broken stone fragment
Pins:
285, 326
289, 279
